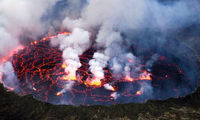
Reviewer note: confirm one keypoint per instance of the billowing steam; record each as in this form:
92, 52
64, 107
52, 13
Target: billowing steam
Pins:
73, 46
114, 18
10, 81
18, 19
119, 30
97, 64
21, 18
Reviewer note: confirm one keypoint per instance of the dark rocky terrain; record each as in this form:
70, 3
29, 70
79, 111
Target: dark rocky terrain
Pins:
14, 107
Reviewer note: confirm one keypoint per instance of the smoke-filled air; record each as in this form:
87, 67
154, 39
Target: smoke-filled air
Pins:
99, 52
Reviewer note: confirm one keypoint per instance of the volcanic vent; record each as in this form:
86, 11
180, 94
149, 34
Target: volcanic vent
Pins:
39, 69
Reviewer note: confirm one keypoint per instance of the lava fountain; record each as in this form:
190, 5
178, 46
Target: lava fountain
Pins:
39, 69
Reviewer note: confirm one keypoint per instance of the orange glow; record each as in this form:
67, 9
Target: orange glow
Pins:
129, 78
139, 92
94, 82
69, 77
35, 42
65, 33
1, 76
64, 65
113, 89
34, 89
109, 87
16, 50
58, 93
145, 76
4, 59
53, 36
10, 89
113, 95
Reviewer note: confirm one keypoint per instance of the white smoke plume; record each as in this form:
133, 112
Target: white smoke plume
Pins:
73, 46
118, 16
67, 87
21, 18
146, 89
115, 95
8, 77
150, 62
97, 64
132, 66
114, 22
109, 87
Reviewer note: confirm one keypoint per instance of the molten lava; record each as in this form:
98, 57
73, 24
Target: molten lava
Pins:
41, 71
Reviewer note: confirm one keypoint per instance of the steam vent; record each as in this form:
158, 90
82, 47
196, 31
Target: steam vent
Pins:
99, 60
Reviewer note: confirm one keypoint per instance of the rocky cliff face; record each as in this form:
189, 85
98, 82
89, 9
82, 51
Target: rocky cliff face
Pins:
14, 107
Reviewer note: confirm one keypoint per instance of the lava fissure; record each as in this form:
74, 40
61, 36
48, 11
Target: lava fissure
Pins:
40, 70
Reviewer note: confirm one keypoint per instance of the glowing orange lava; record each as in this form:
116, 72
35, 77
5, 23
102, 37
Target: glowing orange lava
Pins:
139, 92
69, 77
41, 67
145, 76
1, 76
129, 78
96, 82
58, 93
11, 53
64, 65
